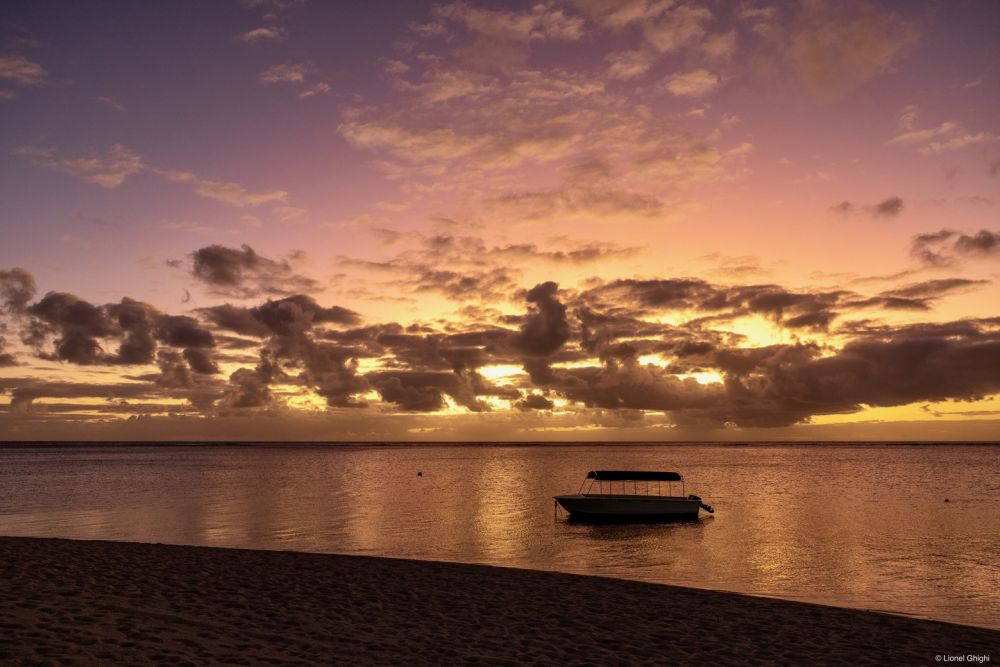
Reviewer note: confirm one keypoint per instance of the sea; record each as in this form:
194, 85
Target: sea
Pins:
910, 529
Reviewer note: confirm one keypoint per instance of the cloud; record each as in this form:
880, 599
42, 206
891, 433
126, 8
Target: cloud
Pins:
284, 73
947, 136
291, 345
80, 332
17, 288
137, 322
946, 247
108, 170
625, 65
271, 33
933, 289
118, 163
546, 328
475, 269
834, 47
735, 266
438, 86
539, 23
696, 83
21, 71
236, 319
233, 194
247, 390
315, 89
919, 296
298, 313
586, 351
111, 103
781, 385
983, 243
890, 207
791, 309
959, 141
295, 75
574, 201
456, 128
76, 323
242, 273
6, 359
462, 285
535, 402
273, 5
617, 14
200, 361
24, 390
183, 331
677, 28
422, 391
720, 46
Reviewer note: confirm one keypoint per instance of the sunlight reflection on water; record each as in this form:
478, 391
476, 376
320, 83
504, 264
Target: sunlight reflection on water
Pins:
860, 526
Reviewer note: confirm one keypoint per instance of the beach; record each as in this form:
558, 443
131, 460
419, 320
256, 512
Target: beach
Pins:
91, 602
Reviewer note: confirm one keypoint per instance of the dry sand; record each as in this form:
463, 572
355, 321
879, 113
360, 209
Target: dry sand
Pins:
75, 602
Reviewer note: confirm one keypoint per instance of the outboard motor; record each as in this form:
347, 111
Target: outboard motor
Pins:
707, 508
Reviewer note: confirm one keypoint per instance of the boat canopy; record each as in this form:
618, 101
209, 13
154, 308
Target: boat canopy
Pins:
634, 476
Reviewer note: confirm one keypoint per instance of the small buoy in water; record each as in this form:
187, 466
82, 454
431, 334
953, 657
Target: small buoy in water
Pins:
420, 474
946, 500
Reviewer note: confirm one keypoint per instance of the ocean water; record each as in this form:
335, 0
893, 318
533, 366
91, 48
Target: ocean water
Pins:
861, 525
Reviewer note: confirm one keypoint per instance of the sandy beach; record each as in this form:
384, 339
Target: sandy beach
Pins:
82, 602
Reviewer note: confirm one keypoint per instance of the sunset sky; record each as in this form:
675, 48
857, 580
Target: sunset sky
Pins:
562, 220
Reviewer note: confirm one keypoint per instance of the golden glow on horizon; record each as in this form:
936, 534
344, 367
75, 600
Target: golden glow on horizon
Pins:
953, 411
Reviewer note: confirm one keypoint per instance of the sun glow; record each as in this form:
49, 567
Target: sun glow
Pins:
701, 377
585, 363
758, 331
307, 401
497, 403
501, 374
654, 360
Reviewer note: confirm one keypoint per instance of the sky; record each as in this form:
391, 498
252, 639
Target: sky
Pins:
553, 220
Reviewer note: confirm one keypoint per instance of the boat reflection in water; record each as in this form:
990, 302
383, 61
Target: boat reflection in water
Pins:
632, 496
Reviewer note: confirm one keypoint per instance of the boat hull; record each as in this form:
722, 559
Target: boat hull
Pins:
601, 507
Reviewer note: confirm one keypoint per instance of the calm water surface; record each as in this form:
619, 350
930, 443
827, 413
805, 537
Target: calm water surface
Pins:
859, 525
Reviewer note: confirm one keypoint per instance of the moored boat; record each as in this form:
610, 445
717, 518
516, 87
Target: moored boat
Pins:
638, 495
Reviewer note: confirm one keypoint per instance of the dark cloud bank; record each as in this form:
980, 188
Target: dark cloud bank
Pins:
583, 347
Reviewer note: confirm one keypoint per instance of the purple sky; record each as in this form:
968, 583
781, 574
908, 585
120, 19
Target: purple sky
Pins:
759, 220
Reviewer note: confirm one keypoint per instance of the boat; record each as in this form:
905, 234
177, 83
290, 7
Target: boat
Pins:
636, 495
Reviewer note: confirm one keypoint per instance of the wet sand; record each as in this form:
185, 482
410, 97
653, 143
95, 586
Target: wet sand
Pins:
81, 602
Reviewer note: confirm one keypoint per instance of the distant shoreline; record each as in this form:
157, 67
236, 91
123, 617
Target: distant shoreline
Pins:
499, 443
124, 602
